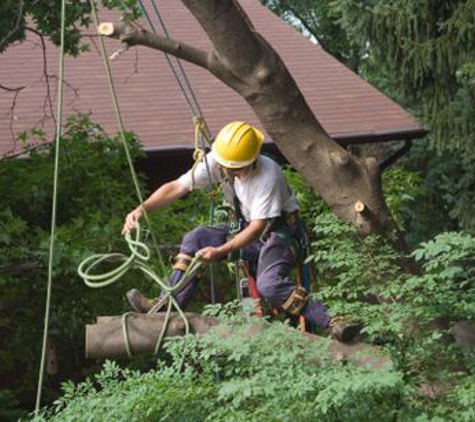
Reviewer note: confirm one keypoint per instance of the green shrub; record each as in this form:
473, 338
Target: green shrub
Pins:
233, 375
95, 193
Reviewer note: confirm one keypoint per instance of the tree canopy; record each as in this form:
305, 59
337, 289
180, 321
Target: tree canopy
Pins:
321, 20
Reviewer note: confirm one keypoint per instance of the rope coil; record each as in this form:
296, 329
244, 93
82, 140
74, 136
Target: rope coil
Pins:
138, 259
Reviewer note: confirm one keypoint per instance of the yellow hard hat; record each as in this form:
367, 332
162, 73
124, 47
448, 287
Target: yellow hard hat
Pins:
237, 144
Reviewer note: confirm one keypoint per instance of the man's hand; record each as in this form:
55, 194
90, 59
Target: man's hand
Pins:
209, 254
131, 220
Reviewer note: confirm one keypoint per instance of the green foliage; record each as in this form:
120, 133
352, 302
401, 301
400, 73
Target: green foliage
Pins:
9, 406
233, 375
238, 377
95, 193
402, 188
321, 20
460, 402
355, 274
44, 17
421, 53
448, 262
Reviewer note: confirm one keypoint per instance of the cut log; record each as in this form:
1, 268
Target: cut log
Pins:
105, 339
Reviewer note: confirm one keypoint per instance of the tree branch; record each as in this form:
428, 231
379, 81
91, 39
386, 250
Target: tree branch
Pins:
12, 154
6, 88
16, 26
48, 102
131, 35
11, 112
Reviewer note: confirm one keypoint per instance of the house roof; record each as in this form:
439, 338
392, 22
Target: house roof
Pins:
349, 108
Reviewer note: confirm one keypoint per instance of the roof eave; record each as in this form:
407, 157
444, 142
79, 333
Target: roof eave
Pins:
342, 138
366, 137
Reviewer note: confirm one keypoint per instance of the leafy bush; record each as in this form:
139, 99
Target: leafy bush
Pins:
410, 315
95, 193
234, 375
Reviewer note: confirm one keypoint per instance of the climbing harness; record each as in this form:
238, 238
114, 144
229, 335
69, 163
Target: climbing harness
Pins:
293, 231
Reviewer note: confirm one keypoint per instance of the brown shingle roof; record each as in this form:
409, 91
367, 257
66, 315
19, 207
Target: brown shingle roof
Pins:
348, 107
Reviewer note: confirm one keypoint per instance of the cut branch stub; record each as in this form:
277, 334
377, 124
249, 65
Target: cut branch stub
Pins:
122, 30
342, 158
361, 214
106, 28
360, 207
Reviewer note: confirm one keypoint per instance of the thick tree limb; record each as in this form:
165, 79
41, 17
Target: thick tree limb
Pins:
105, 339
131, 35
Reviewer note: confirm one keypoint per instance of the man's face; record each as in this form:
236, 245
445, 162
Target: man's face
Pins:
239, 172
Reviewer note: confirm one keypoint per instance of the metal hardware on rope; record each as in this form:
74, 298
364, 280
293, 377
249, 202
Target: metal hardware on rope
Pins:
59, 120
199, 153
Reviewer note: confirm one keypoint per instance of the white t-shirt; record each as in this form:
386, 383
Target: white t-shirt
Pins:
263, 192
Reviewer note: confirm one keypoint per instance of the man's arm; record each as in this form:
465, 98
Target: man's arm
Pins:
164, 195
250, 233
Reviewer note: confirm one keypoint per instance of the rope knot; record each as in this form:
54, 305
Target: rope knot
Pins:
198, 154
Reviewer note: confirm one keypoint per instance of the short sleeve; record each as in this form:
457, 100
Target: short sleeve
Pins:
199, 177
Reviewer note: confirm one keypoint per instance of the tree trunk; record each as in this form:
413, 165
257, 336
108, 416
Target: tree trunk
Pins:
247, 63
105, 339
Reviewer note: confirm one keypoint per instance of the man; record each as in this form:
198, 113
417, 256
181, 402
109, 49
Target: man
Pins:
256, 186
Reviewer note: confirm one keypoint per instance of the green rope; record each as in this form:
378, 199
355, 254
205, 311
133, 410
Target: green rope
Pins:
59, 120
122, 134
140, 254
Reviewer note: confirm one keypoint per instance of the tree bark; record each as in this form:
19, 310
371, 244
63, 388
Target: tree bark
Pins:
105, 339
246, 62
